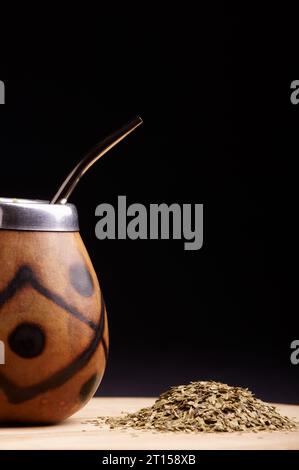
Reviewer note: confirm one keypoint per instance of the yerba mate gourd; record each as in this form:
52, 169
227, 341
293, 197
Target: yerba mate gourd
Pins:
52, 314
53, 320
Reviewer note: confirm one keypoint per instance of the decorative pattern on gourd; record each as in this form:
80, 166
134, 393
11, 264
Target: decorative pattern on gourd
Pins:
54, 326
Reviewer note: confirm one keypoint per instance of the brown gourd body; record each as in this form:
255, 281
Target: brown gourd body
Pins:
53, 325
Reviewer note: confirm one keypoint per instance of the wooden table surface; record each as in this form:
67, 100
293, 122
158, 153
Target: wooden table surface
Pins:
77, 433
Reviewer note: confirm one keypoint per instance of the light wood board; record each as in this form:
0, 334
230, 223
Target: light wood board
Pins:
77, 433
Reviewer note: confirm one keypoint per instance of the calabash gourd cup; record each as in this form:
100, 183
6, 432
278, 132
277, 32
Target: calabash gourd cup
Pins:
52, 314
53, 320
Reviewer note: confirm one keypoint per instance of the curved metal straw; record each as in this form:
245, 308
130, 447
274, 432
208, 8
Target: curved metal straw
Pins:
92, 157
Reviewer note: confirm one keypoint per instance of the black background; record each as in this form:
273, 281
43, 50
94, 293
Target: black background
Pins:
219, 129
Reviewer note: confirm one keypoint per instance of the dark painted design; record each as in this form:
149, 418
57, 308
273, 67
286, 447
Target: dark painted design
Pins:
18, 394
89, 388
26, 276
27, 340
106, 349
81, 280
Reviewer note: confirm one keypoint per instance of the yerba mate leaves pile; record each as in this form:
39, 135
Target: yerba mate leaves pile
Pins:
204, 407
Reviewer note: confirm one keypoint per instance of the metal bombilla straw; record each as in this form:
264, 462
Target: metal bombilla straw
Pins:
70, 183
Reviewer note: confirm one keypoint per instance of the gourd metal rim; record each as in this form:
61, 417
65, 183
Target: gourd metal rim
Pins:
37, 216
